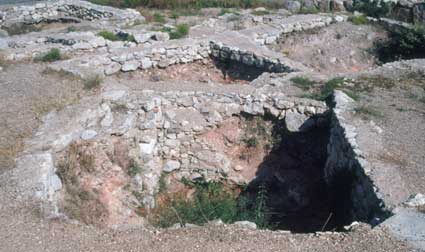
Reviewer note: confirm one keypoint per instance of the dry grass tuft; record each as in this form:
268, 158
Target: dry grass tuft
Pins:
43, 106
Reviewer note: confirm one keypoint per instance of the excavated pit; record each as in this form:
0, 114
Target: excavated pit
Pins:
207, 71
291, 179
285, 174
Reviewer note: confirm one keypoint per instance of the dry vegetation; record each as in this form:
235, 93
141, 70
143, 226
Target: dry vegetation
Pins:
42, 106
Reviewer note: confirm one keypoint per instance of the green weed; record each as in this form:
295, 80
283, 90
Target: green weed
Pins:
358, 20
159, 18
403, 43
92, 82
133, 169
210, 201
180, 31
53, 55
352, 94
260, 12
303, 83
108, 35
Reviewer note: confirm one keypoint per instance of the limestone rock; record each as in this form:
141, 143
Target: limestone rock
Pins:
112, 68
143, 37
417, 200
171, 166
130, 66
246, 224
88, 134
294, 120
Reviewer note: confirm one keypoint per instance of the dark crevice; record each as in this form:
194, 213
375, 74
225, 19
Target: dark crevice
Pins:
233, 70
292, 175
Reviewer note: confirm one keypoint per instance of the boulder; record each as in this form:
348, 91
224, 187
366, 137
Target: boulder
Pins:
246, 224
171, 166
112, 68
161, 36
88, 134
146, 63
417, 200
294, 120
131, 65
142, 37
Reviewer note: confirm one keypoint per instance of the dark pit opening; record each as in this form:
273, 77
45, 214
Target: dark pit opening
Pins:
233, 70
287, 189
291, 181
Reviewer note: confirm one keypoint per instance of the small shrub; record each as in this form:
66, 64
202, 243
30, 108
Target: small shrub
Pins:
224, 11
126, 37
312, 10
403, 43
374, 8
162, 183
330, 86
133, 169
159, 18
352, 94
92, 82
108, 35
251, 142
358, 20
211, 200
260, 12
71, 29
53, 55
174, 15
179, 32
303, 83
133, 3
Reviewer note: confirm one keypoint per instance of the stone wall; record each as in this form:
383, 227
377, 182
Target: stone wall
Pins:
346, 169
409, 11
163, 55
297, 24
236, 55
43, 11
164, 133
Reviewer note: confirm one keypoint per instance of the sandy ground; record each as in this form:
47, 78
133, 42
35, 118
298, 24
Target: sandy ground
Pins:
339, 48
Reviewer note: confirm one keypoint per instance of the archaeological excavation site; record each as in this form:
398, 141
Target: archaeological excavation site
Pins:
256, 125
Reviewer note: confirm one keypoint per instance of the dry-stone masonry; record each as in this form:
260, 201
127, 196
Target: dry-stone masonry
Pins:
162, 132
84, 10
346, 167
